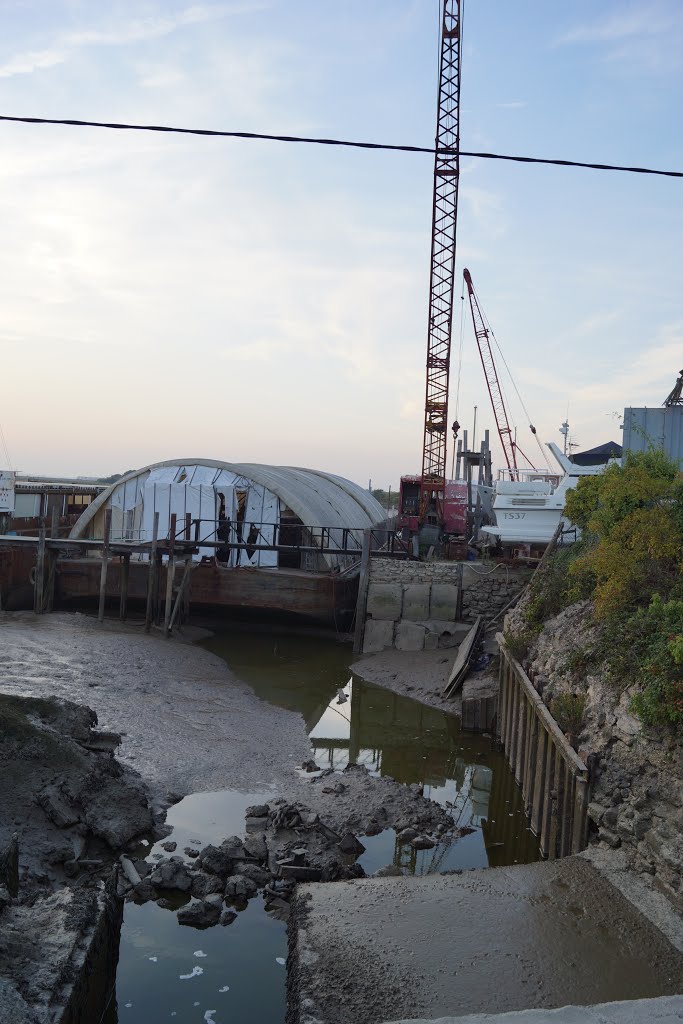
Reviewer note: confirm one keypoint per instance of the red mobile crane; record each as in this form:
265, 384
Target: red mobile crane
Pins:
423, 499
481, 331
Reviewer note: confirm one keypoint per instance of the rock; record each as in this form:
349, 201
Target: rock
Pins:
165, 903
388, 871
260, 876
373, 828
351, 845
171, 874
204, 884
240, 887
5, 897
257, 811
227, 917
219, 859
202, 914
422, 843
144, 891
169, 846
310, 766
58, 807
406, 835
190, 851
9, 865
256, 847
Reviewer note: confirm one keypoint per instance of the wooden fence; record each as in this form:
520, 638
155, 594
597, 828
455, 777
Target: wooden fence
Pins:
553, 779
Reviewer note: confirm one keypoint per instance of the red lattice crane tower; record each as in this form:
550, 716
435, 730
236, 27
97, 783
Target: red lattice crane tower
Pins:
442, 271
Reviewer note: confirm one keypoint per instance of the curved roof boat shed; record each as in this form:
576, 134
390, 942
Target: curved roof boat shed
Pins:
239, 503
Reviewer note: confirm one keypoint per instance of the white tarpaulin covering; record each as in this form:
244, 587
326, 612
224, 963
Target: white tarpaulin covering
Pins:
319, 501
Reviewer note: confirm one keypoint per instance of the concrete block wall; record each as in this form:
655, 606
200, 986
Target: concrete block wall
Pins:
413, 605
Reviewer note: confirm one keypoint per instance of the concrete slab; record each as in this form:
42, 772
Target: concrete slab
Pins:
384, 600
664, 1010
409, 636
378, 635
444, 601
416, 602
495, 940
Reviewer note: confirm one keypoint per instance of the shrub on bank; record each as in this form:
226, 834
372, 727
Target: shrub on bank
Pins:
630, 565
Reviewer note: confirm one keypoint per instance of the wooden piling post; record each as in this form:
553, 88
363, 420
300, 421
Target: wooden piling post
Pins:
170, 573
39, 585
51, 558
105, 563
362, 599
151, 576
125, 574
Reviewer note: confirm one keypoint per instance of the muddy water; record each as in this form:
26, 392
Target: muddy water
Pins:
173, 973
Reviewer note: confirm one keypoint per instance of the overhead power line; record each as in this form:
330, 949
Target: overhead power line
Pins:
71, 122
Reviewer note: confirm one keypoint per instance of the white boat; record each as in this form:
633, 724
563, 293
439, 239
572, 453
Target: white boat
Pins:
528, 509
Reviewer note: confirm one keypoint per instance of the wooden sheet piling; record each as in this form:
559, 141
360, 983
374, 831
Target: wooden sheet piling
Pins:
553, 779
105, 563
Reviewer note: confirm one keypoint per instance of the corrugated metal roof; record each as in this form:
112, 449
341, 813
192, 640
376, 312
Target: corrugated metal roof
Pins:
319, 499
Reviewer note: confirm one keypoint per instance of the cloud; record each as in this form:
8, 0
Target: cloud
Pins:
595, 323
136, 31
35, 60
647, 36
641, 20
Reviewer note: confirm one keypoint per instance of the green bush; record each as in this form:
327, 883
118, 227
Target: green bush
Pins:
520, 643
568, 710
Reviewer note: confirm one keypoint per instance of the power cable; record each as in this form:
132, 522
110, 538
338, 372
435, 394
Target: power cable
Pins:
72, 122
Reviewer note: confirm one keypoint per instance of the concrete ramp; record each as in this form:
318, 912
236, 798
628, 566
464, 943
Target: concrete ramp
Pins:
665, 1010
495, 940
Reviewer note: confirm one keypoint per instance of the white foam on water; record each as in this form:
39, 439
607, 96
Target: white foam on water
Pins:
153, 959
280, 960
199, 952
226, 988
193, 973
208, 1015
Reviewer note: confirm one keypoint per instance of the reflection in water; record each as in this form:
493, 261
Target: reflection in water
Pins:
392, 736
242, 977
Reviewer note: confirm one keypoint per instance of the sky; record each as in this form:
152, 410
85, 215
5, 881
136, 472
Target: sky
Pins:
173, 296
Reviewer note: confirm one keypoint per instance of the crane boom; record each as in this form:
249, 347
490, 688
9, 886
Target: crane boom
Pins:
492, 381
442, 271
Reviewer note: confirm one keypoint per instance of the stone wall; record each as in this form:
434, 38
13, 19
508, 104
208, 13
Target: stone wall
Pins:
488, 589
416, 606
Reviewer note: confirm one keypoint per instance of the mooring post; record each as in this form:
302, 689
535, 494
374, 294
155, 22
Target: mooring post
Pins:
105, 562
362, 599
125, 573
151, 576
170, 573
51, 558
39, 585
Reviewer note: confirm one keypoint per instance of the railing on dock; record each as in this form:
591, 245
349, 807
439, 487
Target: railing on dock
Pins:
553, 778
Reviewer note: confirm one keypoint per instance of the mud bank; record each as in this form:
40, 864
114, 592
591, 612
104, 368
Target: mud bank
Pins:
187, 724
67, 807
421, 675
